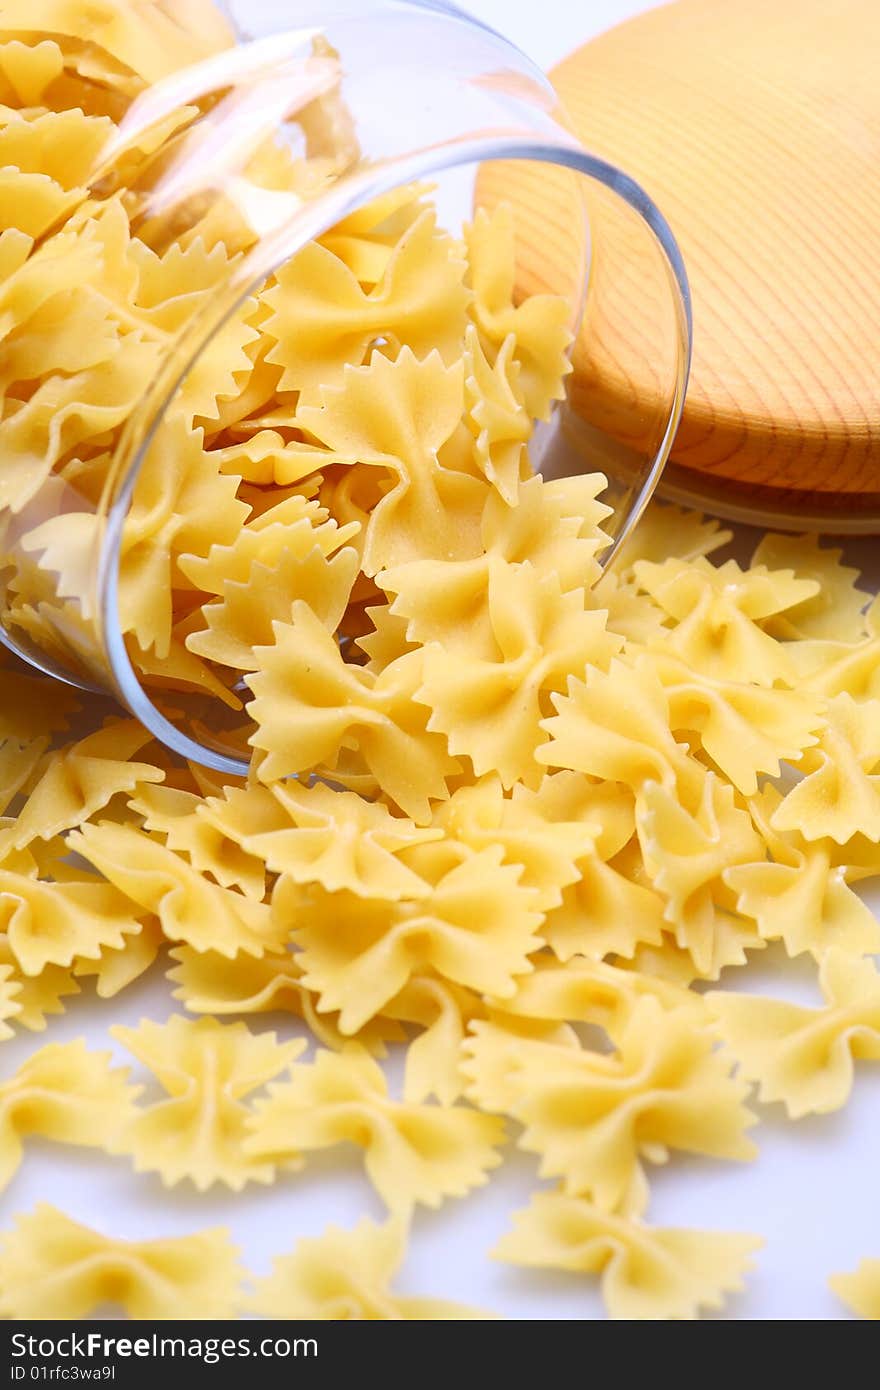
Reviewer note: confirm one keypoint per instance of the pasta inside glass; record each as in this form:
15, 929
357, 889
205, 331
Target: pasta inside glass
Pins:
309, 191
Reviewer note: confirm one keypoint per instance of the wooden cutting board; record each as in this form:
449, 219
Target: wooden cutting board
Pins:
755, 126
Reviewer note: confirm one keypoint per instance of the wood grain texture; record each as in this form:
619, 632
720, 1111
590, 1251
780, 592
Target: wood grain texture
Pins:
755, 126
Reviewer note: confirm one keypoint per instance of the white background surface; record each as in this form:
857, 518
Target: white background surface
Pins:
811, 1194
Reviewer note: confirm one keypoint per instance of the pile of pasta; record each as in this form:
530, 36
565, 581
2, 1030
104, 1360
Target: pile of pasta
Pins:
510, 816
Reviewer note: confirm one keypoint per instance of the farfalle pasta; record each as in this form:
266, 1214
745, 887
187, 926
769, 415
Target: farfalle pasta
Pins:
593, 1117
800, 895
207, 1068
686, 857
190, 908
346, 1276
474, 924
507, 811
804, 1057
53, 1267
412, 1153
645, 1271
65, 1093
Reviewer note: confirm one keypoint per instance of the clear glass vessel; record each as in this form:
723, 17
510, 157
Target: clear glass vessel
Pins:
285, 121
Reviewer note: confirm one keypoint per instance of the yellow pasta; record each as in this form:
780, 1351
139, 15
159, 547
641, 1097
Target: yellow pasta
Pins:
686, 856
593, 1117
645, 1271
420, 302
801, 1056
747, 730
802, 896
839, 795
65, 1093
491, 710
346, 1276
317, 835
10, 1006
412, 1153
475, 925
309, 702
207, 1068
191, 908
52, 1267
506, 810
718, 614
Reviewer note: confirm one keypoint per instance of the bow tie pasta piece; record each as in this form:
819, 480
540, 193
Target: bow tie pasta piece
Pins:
839, 796
75, 782
585, 991
292, 523
481, 816
243, 618
216, 380
645, 1271
33, 203
52, 1267
801, 897
323, 322
53, 924
318, 835
177, 816
412, 1153
747, 730
396, 417
211, 984
606, 810
687, 856
718, 614
860, 1290
554, 527
610, 907
65, 1093
346, 1276
615, 726
491, 710
169, 287
207, 1068
834, 667
475, 926
190, 908
836, 610
308, 701
801, 1056
592, 1117
539, 325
